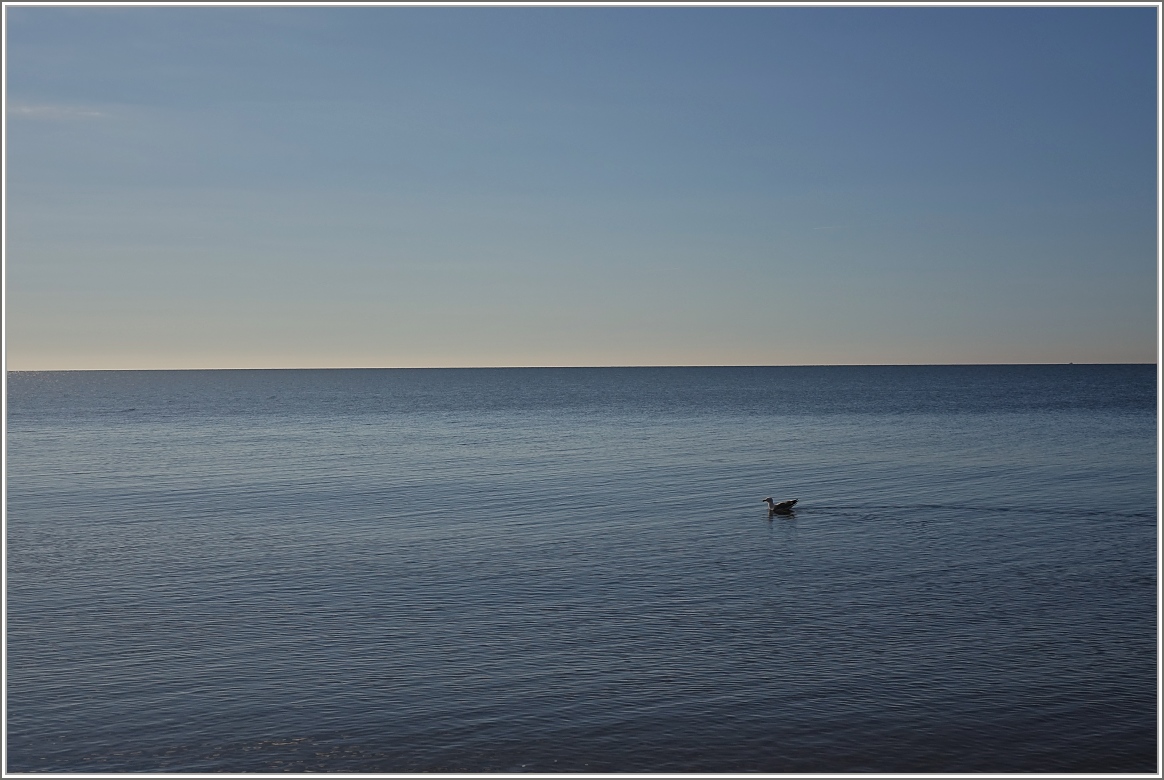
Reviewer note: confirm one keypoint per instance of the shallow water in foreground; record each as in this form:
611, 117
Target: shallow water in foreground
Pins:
571, 570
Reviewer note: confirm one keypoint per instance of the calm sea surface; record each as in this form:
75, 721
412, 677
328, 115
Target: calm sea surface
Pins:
542, 570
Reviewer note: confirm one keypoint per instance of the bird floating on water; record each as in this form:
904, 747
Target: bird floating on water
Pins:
780, 507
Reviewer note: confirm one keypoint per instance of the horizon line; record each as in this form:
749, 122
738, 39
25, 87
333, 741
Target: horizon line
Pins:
528, 367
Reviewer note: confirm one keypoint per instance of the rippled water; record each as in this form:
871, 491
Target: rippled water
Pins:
571, 570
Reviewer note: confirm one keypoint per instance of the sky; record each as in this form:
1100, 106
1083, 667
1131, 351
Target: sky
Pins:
263, 187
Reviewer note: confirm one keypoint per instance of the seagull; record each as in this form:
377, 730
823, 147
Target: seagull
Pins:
780, 507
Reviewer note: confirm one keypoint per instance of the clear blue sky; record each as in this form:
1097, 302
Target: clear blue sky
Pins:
383, 186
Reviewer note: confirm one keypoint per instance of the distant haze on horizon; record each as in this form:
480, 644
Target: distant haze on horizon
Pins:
266, 187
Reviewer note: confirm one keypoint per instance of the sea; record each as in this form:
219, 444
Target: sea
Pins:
571, 570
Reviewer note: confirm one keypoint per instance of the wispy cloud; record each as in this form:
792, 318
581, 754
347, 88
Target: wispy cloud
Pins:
53, 112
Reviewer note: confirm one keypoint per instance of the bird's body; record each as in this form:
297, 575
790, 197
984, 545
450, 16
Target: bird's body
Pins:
780, 507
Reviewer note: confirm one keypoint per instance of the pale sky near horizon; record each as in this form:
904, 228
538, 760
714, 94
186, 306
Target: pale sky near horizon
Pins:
206, 187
